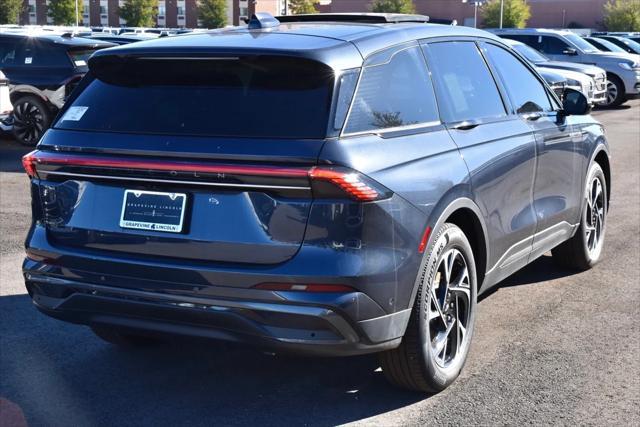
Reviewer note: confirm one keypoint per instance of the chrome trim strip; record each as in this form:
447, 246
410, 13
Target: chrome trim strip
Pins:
172, 181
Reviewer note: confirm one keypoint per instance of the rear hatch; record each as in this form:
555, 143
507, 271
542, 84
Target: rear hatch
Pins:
198, 159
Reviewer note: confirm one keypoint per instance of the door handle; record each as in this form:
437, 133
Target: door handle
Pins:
532, 117
465, 125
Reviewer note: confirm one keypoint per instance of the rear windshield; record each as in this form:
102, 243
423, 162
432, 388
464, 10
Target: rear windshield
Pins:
80, 57
255, 96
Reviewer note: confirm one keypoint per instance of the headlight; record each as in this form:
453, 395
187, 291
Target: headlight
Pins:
626, 65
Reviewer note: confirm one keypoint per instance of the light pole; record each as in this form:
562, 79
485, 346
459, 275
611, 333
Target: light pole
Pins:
501, 11
77, 14
476, 5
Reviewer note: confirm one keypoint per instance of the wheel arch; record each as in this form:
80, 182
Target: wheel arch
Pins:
19, 91
464, 213
602, 158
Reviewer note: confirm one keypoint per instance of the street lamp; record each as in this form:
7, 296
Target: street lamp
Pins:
501, 11
77, 20
476, 5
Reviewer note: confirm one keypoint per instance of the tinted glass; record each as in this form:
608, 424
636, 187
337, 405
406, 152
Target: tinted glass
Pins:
580, 43
605, 45
530, 53
392, 94
465, 87
525, 91
7, 53
553, 45
244, 97
37, 54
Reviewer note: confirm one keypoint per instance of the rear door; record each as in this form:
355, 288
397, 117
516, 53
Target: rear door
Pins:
498, 147
559, 161
195, 159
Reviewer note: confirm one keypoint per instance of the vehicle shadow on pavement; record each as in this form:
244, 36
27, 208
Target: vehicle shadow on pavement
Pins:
11, 154
58, 371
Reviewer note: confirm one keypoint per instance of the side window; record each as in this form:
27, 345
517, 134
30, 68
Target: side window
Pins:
526, 92
466, 90
7, 53
552, 45
39, 55
392, 94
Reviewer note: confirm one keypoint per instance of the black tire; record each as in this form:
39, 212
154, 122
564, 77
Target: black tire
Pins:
122, 338
615, 92
32, 117
579, 252
413, 365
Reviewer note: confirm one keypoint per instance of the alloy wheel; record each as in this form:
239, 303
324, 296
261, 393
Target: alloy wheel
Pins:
612, 92
28, 122
449, 308
594, 217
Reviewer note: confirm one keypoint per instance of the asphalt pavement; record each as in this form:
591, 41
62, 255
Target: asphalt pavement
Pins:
550, 347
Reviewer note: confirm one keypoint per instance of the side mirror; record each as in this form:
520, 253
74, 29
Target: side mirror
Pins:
569, 51
574, 103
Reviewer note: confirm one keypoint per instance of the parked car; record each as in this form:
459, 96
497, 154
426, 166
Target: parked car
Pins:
623, 70
6, 122
604, 45
627, 44
588, 79
556, 81
42, 70
357, 183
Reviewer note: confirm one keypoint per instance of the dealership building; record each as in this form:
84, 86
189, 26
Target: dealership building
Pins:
183, 13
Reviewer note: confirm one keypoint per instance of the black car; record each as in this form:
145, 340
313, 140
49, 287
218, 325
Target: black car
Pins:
42, 70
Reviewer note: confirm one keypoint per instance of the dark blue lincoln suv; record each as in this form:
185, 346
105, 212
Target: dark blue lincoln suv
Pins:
324, 184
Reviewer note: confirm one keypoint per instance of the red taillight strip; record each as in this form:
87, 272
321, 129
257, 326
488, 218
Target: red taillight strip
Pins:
350, 182
45, 158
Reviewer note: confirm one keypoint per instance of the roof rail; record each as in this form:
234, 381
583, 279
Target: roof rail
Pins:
368, 18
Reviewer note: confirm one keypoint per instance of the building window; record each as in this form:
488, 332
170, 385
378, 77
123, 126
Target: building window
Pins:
161, 12
244, 12
180, 10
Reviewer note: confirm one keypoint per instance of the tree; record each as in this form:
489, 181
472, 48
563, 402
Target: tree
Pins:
212, 13
139, 13
393, 6
63, 12
299, 7
622, 15
10, 11
515, 14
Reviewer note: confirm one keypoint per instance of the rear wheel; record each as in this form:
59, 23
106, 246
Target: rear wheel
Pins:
436, 342
32, 118
122, 338
584, 249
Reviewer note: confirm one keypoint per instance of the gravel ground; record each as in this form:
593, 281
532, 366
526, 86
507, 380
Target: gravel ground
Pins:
551, 347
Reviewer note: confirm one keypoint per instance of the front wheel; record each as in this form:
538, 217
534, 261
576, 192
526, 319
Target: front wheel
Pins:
436, 342
32, 118
584, 249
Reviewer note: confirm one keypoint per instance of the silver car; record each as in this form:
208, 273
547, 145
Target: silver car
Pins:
623, 69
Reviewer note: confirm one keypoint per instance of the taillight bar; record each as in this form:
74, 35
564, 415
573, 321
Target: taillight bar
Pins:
58, 159
343, 181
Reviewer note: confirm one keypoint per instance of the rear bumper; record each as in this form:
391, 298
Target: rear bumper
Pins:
321, 328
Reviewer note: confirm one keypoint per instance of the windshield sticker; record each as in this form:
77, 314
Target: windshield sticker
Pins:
81, 63
28, 60
74, 114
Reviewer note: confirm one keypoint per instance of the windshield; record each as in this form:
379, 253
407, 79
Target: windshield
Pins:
632, 44
581, 43
609, 47
530, 53
251, 96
